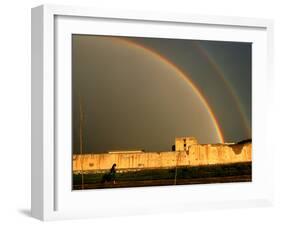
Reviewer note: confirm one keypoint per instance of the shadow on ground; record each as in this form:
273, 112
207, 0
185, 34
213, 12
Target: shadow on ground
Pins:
26, 212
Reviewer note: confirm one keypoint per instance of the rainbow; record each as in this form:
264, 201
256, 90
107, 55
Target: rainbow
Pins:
183, 75
234, 95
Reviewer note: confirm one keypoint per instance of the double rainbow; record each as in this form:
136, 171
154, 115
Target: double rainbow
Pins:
183, 76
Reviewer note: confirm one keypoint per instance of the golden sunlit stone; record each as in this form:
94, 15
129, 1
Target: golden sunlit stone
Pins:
187, 153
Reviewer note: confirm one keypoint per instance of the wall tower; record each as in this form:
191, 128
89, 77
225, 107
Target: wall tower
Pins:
183, 143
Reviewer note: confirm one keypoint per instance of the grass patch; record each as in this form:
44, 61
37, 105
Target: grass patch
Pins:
187, 172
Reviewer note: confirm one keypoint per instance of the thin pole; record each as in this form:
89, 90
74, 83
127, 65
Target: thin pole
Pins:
81, 142
176, 171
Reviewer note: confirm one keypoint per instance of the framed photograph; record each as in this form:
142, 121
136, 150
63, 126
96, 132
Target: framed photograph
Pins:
137, 112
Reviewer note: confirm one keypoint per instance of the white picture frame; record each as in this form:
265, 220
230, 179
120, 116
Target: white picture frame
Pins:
51, 197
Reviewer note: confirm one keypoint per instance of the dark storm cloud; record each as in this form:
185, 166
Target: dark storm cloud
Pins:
131, 101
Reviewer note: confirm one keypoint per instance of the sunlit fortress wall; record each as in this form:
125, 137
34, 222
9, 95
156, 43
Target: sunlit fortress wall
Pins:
187, 153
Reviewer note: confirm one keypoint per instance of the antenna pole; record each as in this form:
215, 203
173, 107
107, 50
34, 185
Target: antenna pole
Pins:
176, 169
81, 141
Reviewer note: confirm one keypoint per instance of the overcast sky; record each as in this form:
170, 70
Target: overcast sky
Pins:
141, 93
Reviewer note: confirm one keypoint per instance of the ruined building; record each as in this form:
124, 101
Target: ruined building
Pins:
187, 153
